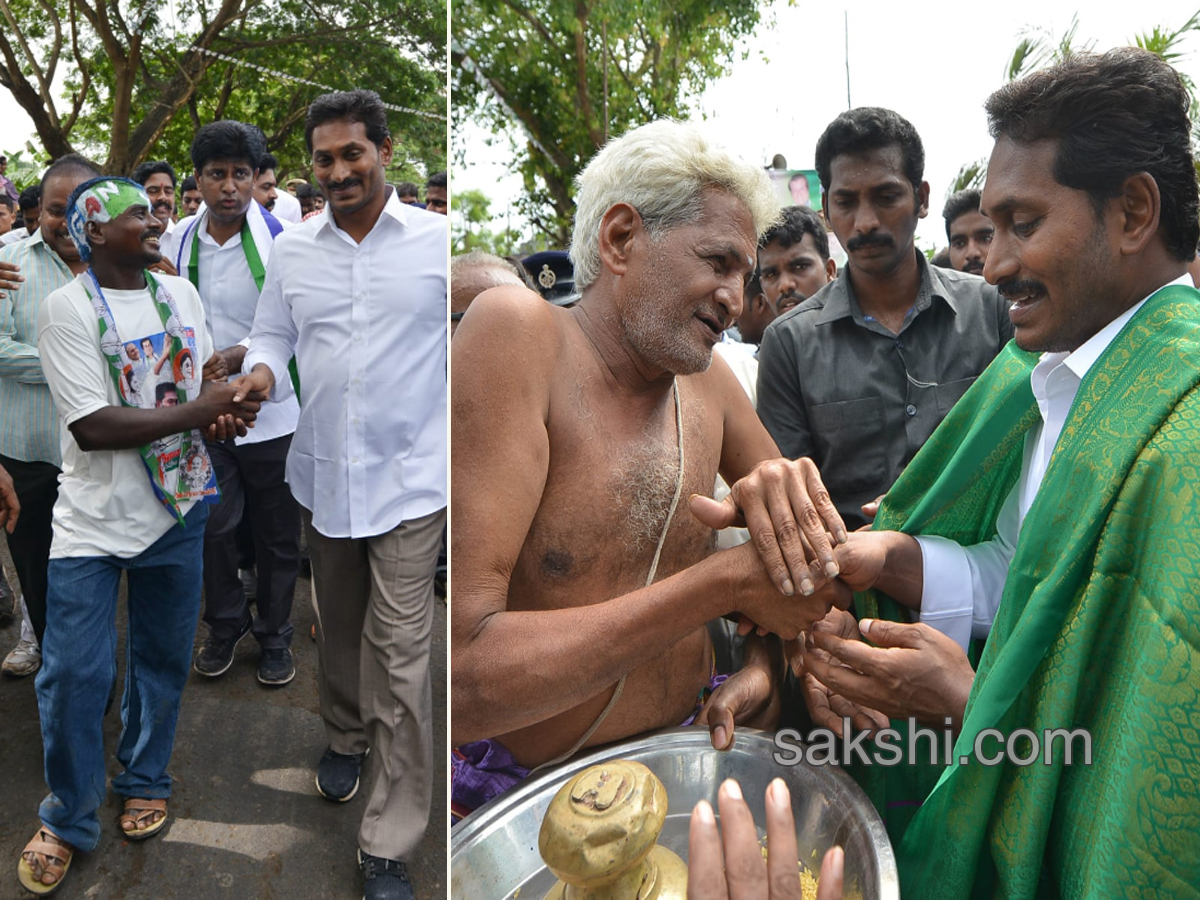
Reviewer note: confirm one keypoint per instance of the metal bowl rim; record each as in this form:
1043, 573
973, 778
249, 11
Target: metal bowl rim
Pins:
490, 815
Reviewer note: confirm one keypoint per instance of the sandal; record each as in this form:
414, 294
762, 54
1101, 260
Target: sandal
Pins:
137, 821
45, 855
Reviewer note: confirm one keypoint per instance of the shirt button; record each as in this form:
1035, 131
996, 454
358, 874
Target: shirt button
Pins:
910, 409
354, 460
358, 337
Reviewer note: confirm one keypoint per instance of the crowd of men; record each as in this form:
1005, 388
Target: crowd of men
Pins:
969, 491
182, 391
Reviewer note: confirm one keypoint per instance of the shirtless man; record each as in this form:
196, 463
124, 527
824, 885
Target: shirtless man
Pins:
565, 465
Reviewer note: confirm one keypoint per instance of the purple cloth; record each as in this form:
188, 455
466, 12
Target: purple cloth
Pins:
483, 770
479, 772
713, 683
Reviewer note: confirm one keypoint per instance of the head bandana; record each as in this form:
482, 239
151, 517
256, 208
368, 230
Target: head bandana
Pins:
100, 200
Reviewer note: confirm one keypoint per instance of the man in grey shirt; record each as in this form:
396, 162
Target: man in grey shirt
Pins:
860, 374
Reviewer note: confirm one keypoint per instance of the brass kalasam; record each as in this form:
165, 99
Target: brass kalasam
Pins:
599, 834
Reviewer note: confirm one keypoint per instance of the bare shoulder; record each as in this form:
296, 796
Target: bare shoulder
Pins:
509, 322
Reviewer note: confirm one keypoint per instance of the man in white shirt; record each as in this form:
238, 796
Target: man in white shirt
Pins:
224, 253
122, 506
1054, 514
358, 294
159, 179
280, 204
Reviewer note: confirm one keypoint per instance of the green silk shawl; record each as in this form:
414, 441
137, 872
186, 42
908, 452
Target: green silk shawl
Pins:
1098, 628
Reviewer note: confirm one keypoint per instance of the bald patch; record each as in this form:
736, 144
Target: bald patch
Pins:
468, 283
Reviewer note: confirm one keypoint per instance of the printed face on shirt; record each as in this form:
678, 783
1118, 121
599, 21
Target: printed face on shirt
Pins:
266, 189
55, 193
227, 186
348, 166
872, 208
1052, 256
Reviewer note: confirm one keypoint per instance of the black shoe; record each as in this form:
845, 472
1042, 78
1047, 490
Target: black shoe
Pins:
387, 879
275, 667
337, 775
215, 657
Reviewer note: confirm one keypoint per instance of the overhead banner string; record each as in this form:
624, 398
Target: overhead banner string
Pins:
287, 77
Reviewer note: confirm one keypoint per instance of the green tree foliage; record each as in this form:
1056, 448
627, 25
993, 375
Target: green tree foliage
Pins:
970, 175
141, 75
569, 74
470, 217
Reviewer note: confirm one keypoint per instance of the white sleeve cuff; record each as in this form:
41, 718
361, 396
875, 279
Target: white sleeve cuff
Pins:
947, 598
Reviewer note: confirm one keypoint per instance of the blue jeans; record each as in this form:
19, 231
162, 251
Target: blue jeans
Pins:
79, 667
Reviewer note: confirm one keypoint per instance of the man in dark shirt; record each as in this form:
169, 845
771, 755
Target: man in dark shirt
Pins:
859, 374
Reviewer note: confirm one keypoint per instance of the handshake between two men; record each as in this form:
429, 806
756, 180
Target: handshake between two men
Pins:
865, 671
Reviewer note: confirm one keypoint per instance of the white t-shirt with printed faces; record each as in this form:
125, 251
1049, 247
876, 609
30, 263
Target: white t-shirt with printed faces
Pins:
106, 503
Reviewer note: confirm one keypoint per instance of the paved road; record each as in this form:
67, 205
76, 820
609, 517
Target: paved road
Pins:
247, 823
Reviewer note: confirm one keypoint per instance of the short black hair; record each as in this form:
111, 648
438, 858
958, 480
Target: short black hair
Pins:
189, 184
407, 189
71, 164
1113, 115
30, 198
163, 390
227, 139
354, 106
154, 167
437, 179
941, 259
6, 200
797, 221
871, 128
268, 161
963, 201
305, 190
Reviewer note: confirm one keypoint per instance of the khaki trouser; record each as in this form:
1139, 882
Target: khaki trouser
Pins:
373, 599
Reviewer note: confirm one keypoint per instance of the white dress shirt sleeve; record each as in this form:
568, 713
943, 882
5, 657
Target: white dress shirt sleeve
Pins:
274, 335
963, 585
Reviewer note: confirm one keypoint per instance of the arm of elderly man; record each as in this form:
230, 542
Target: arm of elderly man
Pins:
506, 367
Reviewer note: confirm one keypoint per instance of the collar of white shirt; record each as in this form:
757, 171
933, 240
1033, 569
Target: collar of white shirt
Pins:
401, 212
1081, 360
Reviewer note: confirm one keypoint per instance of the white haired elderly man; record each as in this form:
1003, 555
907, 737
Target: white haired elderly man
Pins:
576, 433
